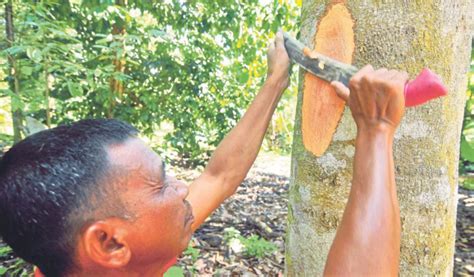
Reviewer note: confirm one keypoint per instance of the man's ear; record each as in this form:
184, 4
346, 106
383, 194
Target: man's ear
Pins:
104, 244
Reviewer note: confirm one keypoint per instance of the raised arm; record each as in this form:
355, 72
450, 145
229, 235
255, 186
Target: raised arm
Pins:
236, 153
367, 241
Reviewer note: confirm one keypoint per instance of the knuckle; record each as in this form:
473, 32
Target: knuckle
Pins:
367, 78
394, 87
354, 82
404, 75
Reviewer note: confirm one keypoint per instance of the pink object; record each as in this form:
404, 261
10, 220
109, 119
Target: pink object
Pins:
424, 87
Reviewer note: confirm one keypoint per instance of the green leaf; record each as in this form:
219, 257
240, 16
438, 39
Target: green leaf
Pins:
157, 33
26, 70
17, 104
468, 184
193, 252
467, 150
34, 54
5, 249
3, 270
243, 76
15, 50
7, 91
75, 89
174, 271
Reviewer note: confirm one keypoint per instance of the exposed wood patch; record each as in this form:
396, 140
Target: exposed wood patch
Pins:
322, 108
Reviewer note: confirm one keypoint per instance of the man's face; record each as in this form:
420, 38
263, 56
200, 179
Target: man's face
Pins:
162, 219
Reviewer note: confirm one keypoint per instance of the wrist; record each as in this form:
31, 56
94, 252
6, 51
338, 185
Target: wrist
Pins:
376, 127
278, 82
380, 133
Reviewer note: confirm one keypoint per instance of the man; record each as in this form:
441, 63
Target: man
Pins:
91, 199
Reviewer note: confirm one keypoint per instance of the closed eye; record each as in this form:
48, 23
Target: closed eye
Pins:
156, 186
163, 170
159, 184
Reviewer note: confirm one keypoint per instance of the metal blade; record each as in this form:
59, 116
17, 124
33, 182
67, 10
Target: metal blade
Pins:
324, 67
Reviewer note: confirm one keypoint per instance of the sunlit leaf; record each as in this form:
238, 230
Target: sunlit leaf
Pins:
74, 89
467, 149
26, 70
468, 184
34, 54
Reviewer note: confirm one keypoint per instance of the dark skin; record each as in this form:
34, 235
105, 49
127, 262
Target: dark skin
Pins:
160, 223
162, 228
367, 242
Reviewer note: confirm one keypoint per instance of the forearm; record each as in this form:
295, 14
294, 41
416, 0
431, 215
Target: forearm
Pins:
368, 239
236, 153
234, 156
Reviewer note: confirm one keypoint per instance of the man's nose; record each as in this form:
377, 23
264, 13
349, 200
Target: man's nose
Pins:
181, 188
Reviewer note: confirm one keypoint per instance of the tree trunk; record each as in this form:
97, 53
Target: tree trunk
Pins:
47, 93
116, 86
406, 35
14, 80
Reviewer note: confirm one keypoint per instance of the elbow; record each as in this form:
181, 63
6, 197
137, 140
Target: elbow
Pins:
230, 184
225, 182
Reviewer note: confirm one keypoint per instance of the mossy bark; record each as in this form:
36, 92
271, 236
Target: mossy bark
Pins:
406, 35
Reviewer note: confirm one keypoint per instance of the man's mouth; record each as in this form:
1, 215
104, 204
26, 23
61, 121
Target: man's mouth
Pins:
189, 213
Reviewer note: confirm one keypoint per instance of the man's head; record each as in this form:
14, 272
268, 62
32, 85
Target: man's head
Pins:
90, 197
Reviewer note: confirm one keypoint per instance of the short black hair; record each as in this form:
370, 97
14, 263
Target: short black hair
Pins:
47, 182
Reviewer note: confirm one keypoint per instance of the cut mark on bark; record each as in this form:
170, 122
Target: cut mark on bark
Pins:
322, 108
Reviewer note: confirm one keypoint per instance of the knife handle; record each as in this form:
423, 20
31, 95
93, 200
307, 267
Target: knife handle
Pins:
426, 86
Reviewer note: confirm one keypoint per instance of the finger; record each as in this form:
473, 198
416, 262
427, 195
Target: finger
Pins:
271, 45
341, 90
279, 40
403, 76
381, 73
392, 74
355, 81
364, 71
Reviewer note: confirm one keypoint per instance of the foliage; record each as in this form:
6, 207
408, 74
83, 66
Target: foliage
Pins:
252, 246
192, 252
230, 233
257, 247
14, 267
468, 184
5, 251
174, 271
190, 65
467, 137
5, 141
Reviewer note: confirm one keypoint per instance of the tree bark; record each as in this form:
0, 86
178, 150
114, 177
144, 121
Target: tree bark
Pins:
14, 80
116, 86
405, 35
47, 93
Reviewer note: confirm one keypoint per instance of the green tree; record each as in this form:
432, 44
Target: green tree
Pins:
190, 65
14, 84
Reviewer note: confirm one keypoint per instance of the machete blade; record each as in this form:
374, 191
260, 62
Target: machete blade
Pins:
322, 66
